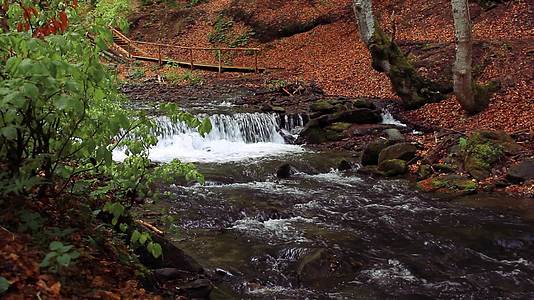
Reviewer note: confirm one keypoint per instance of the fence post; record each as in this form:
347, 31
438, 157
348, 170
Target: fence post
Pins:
256, 61
159, 54
191, 57
220, 59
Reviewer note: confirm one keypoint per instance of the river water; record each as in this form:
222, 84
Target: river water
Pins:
326, 234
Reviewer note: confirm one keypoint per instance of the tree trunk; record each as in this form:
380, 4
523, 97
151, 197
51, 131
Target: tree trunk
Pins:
388, 58
462, 71
363, 10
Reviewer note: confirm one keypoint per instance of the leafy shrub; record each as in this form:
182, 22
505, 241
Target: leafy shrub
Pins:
60, 256
187, 76
136, 73
221, 28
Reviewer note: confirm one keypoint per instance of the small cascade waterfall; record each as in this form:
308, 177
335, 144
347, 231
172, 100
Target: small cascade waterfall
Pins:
233, 137
241, 127
387, 118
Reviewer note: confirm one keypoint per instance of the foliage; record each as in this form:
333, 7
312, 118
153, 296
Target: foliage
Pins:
277, 84
60, 256
242, 40
136, 73
62, 117
4, 285
174, 77
113, 13
484, 152
40, 19
221, 28
142, 238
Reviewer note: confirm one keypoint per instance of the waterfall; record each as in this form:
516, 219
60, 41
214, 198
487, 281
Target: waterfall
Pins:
241, 127
233, 137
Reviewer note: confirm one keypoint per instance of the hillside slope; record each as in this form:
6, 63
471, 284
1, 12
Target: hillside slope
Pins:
318, 41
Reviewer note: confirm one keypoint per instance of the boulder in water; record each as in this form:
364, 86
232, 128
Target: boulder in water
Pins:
323, 267
345, 165
372, 151
285, 171
451, 185
404, 151
393, 167
522, 171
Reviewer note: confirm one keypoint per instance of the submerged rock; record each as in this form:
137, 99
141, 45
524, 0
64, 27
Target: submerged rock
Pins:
393, 167
403, 151
197, 289
522, 171
321, 266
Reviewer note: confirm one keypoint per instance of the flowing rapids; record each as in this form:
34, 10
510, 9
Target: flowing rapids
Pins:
323, 234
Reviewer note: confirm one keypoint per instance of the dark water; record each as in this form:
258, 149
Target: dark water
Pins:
324, 234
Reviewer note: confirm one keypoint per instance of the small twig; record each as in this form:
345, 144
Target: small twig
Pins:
150, 226
12, 234
287, 92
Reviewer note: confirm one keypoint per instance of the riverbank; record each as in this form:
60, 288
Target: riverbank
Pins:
437, 154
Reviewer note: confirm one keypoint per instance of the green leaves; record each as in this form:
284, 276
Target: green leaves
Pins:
154, 249
60, 256
138, 238
116, 209
4, 285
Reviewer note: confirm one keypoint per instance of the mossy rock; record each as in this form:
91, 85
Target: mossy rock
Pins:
339, 126
357, 116
315, 134
445, 168
361, 103
394, 135
322, 106
452, 184
482, 149
403, 151
425, 171
393, 167
372, 151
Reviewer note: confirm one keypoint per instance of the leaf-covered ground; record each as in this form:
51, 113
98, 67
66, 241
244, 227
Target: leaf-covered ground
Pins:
104, 269
332, 54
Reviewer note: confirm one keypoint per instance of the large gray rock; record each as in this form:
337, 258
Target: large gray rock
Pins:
403, 151
394, 135
372, 151
523, 171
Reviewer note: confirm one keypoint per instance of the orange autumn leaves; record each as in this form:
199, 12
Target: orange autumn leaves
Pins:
56, 24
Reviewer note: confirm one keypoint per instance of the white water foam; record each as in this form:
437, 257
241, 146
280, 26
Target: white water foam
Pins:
280, 228
235, 137
387, 118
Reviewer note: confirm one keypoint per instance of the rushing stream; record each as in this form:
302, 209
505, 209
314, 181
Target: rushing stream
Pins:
325, 234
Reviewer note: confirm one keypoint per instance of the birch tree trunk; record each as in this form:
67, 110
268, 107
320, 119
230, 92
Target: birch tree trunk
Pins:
388, 58
363, 10
462, 71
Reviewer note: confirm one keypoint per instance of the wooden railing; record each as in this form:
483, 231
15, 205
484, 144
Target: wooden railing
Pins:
161, 53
